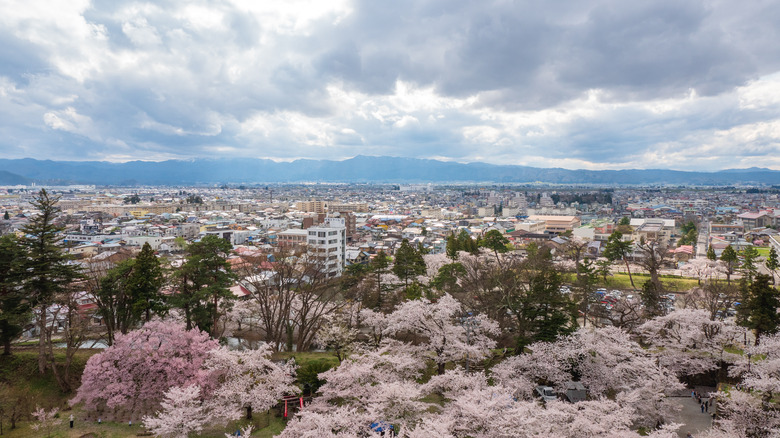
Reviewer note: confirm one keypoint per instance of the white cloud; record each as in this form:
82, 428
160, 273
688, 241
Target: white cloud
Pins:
571, 84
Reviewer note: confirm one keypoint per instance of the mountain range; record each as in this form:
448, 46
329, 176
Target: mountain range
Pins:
354, 170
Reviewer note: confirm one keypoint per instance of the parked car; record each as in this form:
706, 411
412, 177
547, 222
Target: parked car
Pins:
546, 393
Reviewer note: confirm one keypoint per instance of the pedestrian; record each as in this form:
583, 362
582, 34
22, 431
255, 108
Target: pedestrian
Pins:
693, 394
71, 421
702, 408
689, 435
100, 420
707, 406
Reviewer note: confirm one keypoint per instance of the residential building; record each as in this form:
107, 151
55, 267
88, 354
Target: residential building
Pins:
328, 244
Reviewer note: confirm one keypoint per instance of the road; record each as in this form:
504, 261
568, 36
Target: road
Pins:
703, 242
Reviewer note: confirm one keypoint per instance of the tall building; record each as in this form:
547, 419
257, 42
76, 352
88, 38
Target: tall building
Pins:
328, 245
314, 205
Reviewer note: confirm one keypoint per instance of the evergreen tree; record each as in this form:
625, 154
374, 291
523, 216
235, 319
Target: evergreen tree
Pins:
446, 280
543, 313
625, 220
495, 241
409, 263
378, 266
14, 307
651, 299
6, 216
585, 287
114, 301
204, 281
730, 258
772, 262
452, 247
144, 284
759, 308
619, 249
749, 267
466, 243
45, 267
711, 253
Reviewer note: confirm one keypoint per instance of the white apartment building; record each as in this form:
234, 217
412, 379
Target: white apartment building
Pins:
328, 245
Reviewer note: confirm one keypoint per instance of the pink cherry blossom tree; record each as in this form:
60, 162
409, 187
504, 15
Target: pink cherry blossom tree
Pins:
47, 420
131, 377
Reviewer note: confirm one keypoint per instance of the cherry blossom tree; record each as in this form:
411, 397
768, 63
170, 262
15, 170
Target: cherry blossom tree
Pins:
47, 420
688, 342
606, 361
703, 269
375, 323
246, 380
338, 337
763, 374
446, 338
383, 386
742, 414
133, 374
182, 413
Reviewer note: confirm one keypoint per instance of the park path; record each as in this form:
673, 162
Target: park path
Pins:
692, 419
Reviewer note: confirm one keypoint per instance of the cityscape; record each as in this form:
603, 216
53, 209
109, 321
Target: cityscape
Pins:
343, 276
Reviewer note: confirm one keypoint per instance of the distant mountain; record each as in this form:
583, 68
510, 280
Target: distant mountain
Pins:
357, 169
12, 179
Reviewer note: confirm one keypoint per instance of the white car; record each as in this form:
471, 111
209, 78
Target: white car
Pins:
546, 393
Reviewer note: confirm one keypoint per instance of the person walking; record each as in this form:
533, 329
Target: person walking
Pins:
702, 408
689, 435
707, 406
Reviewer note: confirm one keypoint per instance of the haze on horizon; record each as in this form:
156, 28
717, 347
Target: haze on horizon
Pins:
605, 84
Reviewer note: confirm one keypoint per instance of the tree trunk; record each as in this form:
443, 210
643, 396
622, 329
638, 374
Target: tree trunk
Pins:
440, 368
7, 346
630, 278
249, 412
42, 340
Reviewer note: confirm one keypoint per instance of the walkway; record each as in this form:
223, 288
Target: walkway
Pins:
691, 417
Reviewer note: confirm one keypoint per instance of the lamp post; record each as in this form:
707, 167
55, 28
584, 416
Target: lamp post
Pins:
469, 323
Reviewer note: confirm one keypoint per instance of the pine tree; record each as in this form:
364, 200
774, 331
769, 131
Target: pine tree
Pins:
14, 307
619, 249
409, 262
495, 241
759, 308
45, 266
749, 269
452, 247
204, 281
711, 253
144, 284
729, 257
772, 262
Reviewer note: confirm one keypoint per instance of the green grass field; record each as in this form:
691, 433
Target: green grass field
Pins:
622, 281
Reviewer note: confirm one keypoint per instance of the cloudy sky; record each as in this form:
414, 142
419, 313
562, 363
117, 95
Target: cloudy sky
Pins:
597, 84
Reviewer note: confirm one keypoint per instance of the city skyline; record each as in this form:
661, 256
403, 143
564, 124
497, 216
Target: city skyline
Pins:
603, 85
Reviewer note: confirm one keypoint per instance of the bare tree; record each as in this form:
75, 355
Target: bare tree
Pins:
293, 294
66, 319
714, 297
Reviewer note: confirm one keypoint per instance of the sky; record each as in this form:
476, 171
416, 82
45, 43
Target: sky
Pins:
597, 84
